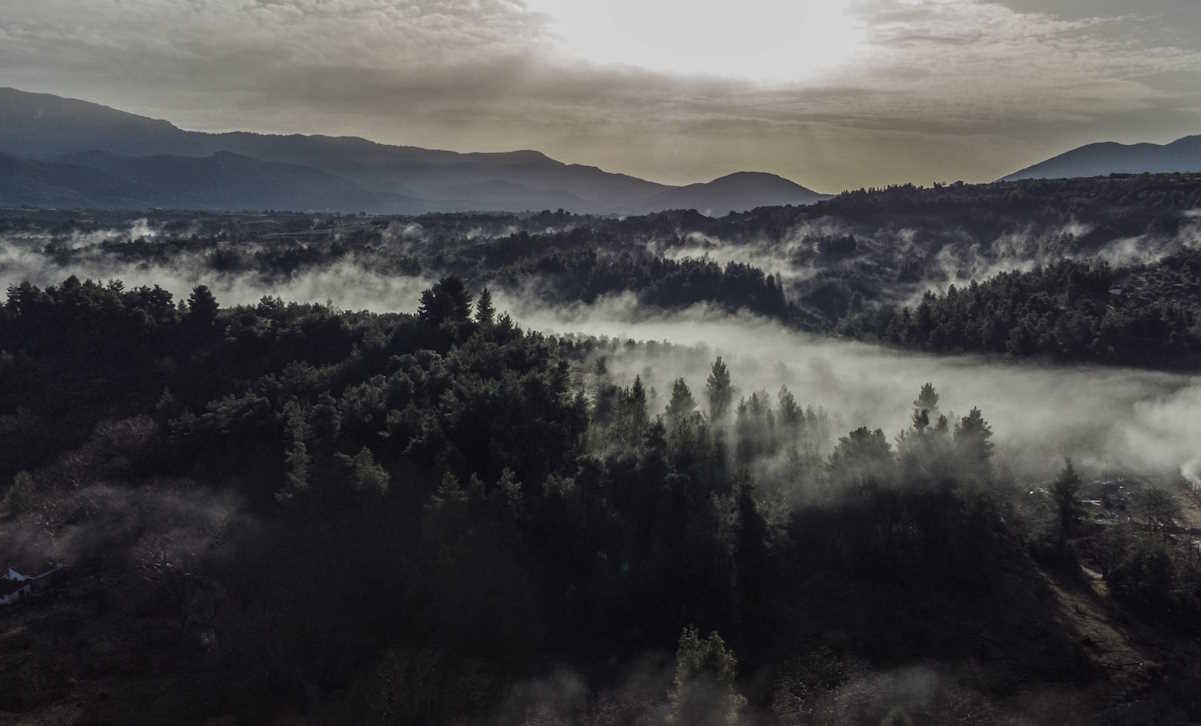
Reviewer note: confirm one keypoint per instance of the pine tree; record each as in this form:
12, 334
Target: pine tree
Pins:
1065, 492
296, 456
791, 415
861, 457
921, 420
744, 442
927, 400
484, 312
449, 496
446, 301
681, 405
633, 413
973, 440
751, 557
202, 307
702, 691
719, 390
366, 476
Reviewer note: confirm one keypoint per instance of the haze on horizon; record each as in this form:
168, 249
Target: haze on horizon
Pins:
833, 94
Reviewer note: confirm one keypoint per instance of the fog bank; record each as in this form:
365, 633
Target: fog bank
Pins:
1105, 418
348, 284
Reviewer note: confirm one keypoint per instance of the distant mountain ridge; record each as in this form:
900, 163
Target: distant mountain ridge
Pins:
220, 181
1102, 159
150, 162
739, 191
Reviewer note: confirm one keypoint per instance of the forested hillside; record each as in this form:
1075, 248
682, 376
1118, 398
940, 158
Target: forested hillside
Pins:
438, 517
1144, 316
493, 363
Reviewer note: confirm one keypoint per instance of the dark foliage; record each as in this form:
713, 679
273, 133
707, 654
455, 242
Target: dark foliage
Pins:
443, 504
410, 518
1068, 311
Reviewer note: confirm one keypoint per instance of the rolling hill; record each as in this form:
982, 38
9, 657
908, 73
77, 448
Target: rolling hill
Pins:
738, 192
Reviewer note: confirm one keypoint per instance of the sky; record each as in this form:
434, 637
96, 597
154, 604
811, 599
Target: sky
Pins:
833, 94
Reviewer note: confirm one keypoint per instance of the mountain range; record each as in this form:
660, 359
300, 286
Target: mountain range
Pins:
64, 152
1102, 159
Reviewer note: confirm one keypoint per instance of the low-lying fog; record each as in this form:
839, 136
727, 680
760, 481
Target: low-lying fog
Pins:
1106, 419
346, 285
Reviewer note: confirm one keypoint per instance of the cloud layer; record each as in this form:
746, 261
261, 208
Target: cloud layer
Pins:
861, 92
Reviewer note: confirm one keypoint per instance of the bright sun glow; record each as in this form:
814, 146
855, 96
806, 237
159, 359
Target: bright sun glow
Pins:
762, 40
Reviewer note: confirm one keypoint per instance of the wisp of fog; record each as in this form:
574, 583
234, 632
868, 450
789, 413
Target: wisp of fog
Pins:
1108, 419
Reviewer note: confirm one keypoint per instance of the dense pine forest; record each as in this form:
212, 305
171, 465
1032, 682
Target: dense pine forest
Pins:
1068, 310
620, 363
550, 468
436, 516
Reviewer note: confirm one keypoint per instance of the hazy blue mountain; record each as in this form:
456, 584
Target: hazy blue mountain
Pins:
1182, 155
29, 182
42, 126
220, 181
357, 171
736, 192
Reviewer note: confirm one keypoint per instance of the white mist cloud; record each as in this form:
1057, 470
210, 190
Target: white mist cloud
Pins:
1103, 417
348, 284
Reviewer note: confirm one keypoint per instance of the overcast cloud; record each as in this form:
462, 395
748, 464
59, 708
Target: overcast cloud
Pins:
836, 94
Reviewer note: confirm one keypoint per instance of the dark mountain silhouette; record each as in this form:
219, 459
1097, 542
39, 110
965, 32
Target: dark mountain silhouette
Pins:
1182, 155
39, 125
347, 173
220, 181
28, 182
736, 192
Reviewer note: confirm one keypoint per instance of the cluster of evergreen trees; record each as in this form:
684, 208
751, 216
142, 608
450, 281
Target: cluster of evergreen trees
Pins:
584, 274
441, 512
1069, 310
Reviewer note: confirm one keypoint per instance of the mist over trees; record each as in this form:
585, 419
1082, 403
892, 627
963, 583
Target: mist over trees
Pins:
1069, 311
1104, 270
423, 517
433, 514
